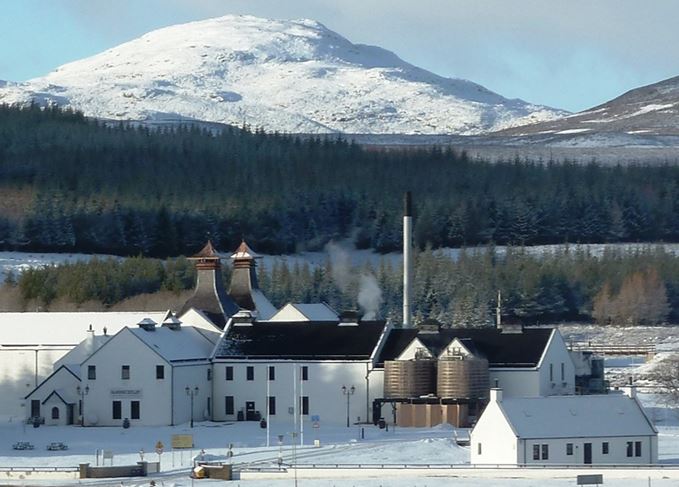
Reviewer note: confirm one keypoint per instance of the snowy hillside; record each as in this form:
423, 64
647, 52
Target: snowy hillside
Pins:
292, 76
646, 116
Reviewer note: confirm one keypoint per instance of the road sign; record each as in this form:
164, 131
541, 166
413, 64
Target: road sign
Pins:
316, 424
315, 417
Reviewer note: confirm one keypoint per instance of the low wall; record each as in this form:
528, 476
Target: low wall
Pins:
141, 469
356, 472
41, 473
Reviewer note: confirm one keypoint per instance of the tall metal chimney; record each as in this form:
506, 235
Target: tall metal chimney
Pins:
407, 258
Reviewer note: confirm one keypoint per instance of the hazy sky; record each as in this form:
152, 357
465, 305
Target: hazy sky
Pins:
570, 54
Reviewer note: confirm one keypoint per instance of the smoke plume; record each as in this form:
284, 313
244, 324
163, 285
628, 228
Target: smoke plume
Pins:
369, 296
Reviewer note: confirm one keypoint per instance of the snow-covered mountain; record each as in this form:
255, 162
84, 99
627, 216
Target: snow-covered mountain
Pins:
291, 76
648, 116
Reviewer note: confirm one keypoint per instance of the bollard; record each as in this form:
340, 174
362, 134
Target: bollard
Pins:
363, 433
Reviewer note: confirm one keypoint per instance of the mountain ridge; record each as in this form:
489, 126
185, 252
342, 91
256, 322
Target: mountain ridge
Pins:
290, 76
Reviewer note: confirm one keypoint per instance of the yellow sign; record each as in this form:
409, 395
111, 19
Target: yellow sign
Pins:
159, 445
182, 441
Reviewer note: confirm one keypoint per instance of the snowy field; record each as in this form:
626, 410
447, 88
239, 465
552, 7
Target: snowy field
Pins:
339, 445
18, 261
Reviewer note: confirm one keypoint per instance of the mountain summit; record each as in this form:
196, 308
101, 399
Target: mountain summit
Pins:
291, 76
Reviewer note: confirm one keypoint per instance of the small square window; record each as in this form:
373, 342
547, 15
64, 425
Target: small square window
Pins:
545, 452
604, 448
229, 372
125, 372
160, 371
630, 448
478, 449
536, 452
272, 372
569, 448
250, 373
305, 372
91, 372
637, 448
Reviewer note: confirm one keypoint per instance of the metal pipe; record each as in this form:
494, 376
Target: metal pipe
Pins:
407, 257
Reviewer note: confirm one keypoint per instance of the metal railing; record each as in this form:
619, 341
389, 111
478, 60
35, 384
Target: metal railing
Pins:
611, 349
39, 469
460, 466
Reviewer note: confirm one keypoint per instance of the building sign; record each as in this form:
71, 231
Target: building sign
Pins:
126, 392
182, 441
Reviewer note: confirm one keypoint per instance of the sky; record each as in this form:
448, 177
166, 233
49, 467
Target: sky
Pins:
569, 54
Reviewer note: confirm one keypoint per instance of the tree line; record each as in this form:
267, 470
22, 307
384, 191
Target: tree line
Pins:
73, 184
616, 288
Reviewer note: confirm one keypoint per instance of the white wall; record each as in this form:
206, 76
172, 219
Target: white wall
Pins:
192, 376
19, 375
555, 355
617, 451
323, 389
55, 402
498, 441
516, 382
154, 394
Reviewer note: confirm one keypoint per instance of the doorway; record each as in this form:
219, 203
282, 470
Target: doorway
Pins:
588, 453
250, 411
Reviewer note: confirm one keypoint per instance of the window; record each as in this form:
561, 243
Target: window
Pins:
228, 405
630, 445
91, 372
551, 372
478, 448
250, 373
545, 452
117, 410
55, 412
305, 372
536, 452
305, 405
637, 448
125, 372
209, 375
229, 372
541, 452
134, 410
272, 405
160, 371
569, 448
604, 448
272, 372
563, 371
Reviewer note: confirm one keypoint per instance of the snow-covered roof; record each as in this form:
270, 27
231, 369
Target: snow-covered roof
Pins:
185, 343
84, 349
265, 310
305, 312
65, 328
611, 414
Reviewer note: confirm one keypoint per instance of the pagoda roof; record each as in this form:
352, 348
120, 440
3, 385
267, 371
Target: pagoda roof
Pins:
207, 252
244, 252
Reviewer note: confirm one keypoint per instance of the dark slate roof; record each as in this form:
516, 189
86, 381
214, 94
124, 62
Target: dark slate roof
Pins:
302, 341
210, 298
501, 349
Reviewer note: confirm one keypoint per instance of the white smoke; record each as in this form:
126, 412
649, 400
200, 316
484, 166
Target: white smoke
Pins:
369, 296
340, 265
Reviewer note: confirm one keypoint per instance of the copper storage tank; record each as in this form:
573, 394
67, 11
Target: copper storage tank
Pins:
462, 378
409, 378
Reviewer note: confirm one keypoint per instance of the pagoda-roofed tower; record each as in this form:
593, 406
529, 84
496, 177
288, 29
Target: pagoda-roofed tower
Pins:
244, 284
210, 296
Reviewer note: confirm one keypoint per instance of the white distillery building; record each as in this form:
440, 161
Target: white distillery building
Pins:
526, 362
564, 430
286, 370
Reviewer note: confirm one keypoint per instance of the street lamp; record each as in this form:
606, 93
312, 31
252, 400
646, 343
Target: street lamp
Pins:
82, 393
191, 393
348, 392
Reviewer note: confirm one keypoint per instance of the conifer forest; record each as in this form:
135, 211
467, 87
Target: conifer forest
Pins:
70, 184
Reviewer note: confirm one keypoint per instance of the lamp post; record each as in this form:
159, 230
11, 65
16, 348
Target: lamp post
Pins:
82, 393
348, 392
191, 393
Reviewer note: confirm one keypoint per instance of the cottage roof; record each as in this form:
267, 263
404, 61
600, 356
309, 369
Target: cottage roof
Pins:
613, 414
501, 349
305, 340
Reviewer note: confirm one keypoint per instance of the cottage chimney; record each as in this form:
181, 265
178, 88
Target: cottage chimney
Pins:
495, 393
630, 389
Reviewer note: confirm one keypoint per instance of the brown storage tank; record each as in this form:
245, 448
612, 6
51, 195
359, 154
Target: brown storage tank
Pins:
462, 378
409, 378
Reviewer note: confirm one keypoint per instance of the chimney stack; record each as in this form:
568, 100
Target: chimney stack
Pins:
407, 258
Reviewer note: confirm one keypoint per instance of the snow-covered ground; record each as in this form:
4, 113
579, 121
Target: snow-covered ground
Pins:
17, 261
339, 445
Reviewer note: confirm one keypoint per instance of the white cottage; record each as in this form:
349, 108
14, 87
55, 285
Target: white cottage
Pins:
564, 430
